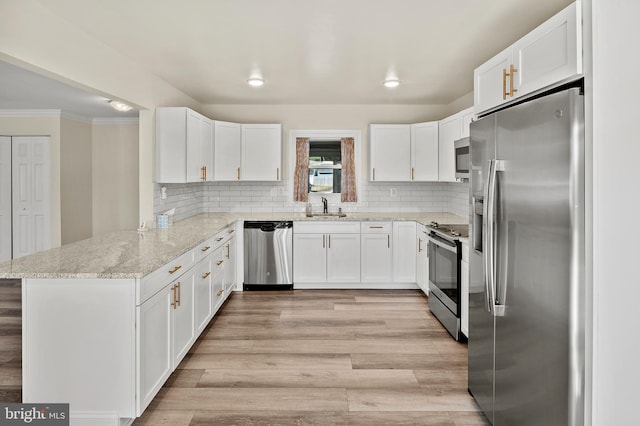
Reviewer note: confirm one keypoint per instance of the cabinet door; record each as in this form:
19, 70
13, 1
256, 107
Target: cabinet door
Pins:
310, 259
404, 256
390, 146
424, 151
489, 85
422, 263
376, 258
227, 140
466, 117
171, 145
230, 266
261, 152
464, 294
154, 319
194, 147
449, 131
217, 290
202, 294
206, 140
343, 258
550, 53
183, 316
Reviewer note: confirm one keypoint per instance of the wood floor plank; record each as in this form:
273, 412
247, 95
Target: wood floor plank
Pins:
165, 417
309, 378
269, 418
400, 418
267, 361
252, 399
379, 306
351, 314
409, 400
281, 332
377, 346
406, 361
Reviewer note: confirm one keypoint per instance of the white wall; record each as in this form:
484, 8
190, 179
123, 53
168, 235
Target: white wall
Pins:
613, 148
114, 175
75, 180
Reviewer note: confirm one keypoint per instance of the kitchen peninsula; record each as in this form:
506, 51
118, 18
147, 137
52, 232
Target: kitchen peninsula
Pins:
106, 320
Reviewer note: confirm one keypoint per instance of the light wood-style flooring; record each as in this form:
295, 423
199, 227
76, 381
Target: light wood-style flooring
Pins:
310, 357
320, 357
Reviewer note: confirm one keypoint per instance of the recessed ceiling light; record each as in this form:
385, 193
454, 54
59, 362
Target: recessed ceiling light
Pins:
120, 106
392, 82
255, 81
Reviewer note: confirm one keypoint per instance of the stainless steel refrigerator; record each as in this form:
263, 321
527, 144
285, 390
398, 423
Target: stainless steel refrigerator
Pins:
526, 301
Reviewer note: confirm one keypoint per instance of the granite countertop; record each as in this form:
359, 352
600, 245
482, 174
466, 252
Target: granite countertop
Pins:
133, 254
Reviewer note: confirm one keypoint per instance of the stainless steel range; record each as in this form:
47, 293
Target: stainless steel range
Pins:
445, 255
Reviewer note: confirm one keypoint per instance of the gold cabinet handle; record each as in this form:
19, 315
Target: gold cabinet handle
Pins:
173, 300
329, 241
219, 239
174, 270
231, 231
277, 173
178, 288
504, 83
388, 241
376, 227
205, 248
413, 174
219, 293
512, 76
228, 251
323, 245
374, 173
205, 276
219, 262
238, 173
419, 245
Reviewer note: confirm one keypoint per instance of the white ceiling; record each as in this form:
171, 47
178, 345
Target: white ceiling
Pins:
310, 52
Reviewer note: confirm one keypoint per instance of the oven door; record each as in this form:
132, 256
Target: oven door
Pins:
444, 272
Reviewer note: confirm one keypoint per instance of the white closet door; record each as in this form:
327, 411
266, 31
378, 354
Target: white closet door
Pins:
31, 170
5, 198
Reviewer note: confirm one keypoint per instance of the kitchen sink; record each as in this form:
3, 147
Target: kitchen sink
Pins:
327, 215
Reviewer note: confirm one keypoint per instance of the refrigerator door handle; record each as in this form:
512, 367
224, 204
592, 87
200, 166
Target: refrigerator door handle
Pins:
499, 294
487, 240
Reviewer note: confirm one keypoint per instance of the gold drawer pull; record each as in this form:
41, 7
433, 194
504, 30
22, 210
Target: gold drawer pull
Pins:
206, 275
376, 227
205, 248
173, 302
219, 239
174, 270
219, 293
219, 262
231, 231
178, 301
388, 241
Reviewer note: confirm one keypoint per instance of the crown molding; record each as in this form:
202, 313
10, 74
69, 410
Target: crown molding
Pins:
115, 120
30, 113
75, 117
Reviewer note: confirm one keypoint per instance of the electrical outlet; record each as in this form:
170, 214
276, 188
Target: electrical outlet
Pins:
392, 192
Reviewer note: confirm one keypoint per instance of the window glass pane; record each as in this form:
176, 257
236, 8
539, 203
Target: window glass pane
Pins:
325, 163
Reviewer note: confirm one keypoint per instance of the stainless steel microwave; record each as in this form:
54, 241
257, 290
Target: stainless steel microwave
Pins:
463, 159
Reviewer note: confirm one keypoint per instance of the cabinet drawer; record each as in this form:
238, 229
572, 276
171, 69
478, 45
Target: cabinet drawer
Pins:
326, 227
375, 227
155, 281
204, 249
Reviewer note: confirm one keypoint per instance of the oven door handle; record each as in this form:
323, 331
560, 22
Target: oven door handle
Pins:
443, 244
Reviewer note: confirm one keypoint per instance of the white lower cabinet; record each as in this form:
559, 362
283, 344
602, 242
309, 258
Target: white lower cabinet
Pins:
343, 258
422, 260
376, 259
154, 319
202, 294
183, 316
404, 259
464, 290
326, 252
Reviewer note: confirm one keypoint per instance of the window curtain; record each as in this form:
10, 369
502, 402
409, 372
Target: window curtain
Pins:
348, 186
301, 174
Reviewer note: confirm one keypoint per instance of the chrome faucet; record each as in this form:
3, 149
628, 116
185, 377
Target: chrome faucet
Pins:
325, 206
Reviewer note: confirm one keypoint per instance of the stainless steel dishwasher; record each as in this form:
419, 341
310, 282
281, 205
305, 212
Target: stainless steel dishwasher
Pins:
268, 252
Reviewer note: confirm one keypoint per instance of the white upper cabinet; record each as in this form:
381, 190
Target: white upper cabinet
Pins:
449, 131
424, 151
261, 152
550, 54
466, 117
390, 152
184, 146
227, 150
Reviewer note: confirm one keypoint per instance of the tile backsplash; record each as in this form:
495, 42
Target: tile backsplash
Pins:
267, 197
